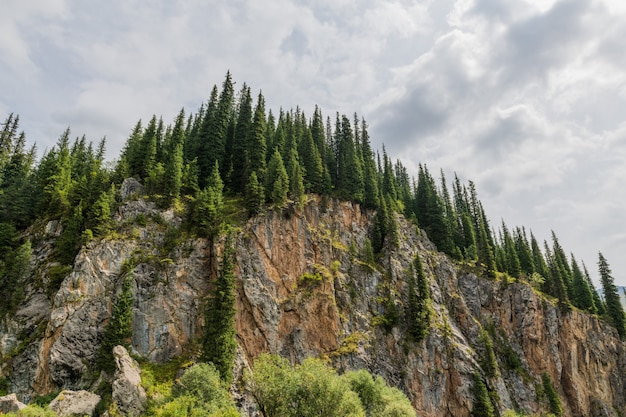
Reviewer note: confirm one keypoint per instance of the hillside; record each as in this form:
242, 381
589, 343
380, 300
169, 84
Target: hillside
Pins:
232, 234
354, 313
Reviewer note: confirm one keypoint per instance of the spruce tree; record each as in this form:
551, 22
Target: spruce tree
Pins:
254, 196
119, 329
582, 297
614, 309
239, 148
219, 343
482, 406
554, 402
418, 302
597, 301
257, 147
174, 163
276, 180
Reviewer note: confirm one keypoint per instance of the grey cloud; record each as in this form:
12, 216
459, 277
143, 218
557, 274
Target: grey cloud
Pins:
537, 44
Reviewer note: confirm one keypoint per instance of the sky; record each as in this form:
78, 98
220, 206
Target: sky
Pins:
525, 98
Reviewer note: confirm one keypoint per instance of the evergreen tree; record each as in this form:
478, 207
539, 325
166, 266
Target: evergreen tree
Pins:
513, 266
312, 162
296, 178
350, 184
257, 148
119, 329
174, 163
255, 195
482, 406
562, 264
485, 251
554, 284
430, 211
541, 267
614, 309
488, 360
418, 302
276, 180
209, 206
554, 402
597, 301
582, 296
370, 191
213, 133
219, 342
239, 149
524, 252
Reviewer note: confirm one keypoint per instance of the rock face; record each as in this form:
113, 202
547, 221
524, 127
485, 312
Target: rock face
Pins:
10, 404
75, 403
128, 393
304, 289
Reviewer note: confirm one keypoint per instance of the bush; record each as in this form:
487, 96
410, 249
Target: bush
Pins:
200, 392
314, 389
377, 398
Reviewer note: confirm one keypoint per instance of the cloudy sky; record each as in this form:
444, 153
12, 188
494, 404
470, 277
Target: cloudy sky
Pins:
525, 98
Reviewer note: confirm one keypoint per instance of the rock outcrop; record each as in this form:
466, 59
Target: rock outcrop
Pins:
75, 403
304, 288
128, 394
10, 404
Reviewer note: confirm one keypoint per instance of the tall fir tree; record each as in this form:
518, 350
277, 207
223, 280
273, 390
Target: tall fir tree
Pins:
219, 343
582, 297
239, 149
614, 309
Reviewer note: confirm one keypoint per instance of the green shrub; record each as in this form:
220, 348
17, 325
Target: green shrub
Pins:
199, 392
4, 386
377, 398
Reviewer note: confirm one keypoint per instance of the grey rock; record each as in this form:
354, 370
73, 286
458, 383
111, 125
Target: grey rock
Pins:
75, 403
128, 393
131, 187
10, 404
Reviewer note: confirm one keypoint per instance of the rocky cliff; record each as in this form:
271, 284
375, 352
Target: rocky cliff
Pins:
304, 289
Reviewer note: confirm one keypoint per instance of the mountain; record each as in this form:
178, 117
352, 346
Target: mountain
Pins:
305, 285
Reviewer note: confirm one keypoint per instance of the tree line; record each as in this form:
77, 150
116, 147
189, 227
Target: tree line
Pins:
234, 147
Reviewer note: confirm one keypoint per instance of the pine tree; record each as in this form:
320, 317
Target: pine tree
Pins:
614, 309
582, 296
482, 406
174, 161
370, 175
219, 342
418, 302
257, 148
276, 181
119, 329
255, 195
554, 402
524, 252
209, 206
239, 149
214, 131
513, 266
296, 178
597, 301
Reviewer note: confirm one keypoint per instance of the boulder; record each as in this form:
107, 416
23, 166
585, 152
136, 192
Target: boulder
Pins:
75, 403
10, 404
128, 394
130, 187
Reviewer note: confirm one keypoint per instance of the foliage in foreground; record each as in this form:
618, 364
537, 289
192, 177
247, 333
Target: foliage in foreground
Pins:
314, 389
199, 392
